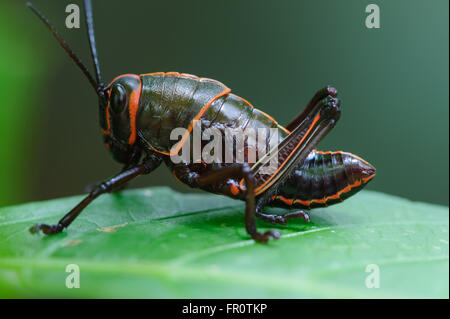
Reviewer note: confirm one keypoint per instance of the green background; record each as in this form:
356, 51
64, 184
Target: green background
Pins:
393, 82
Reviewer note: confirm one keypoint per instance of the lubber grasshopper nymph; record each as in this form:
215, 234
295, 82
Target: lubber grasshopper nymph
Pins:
138, 112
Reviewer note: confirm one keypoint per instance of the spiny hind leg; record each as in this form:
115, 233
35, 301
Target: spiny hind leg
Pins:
314, 125
240, 172
282, 219
321, 94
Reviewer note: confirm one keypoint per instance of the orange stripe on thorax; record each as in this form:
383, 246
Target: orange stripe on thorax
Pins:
196, 118
133, 108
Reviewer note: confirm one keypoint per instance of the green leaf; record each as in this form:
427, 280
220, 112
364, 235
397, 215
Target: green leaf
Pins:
157, 243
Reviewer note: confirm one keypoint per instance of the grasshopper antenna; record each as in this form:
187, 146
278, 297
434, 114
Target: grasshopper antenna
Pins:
91, 36
66, 47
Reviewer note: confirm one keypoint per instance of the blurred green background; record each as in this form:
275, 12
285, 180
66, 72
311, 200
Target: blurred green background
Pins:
393, 82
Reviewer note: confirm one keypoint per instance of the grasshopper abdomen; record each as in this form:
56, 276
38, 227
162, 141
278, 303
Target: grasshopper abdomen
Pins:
323, 179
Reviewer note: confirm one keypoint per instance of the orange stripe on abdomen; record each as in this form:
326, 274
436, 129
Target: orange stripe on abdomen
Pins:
324, 178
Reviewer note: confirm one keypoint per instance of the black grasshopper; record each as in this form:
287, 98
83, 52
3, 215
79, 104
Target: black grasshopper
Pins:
138, 112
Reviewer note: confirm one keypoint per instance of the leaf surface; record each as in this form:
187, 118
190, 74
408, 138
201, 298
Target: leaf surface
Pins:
156, 243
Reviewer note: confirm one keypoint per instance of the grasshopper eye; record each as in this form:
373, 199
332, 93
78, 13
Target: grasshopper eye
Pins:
118, 98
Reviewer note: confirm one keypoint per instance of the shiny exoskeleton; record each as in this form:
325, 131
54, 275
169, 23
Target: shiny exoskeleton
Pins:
138, 113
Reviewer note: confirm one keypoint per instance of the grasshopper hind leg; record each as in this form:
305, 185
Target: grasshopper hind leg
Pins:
282, 219
240, 172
